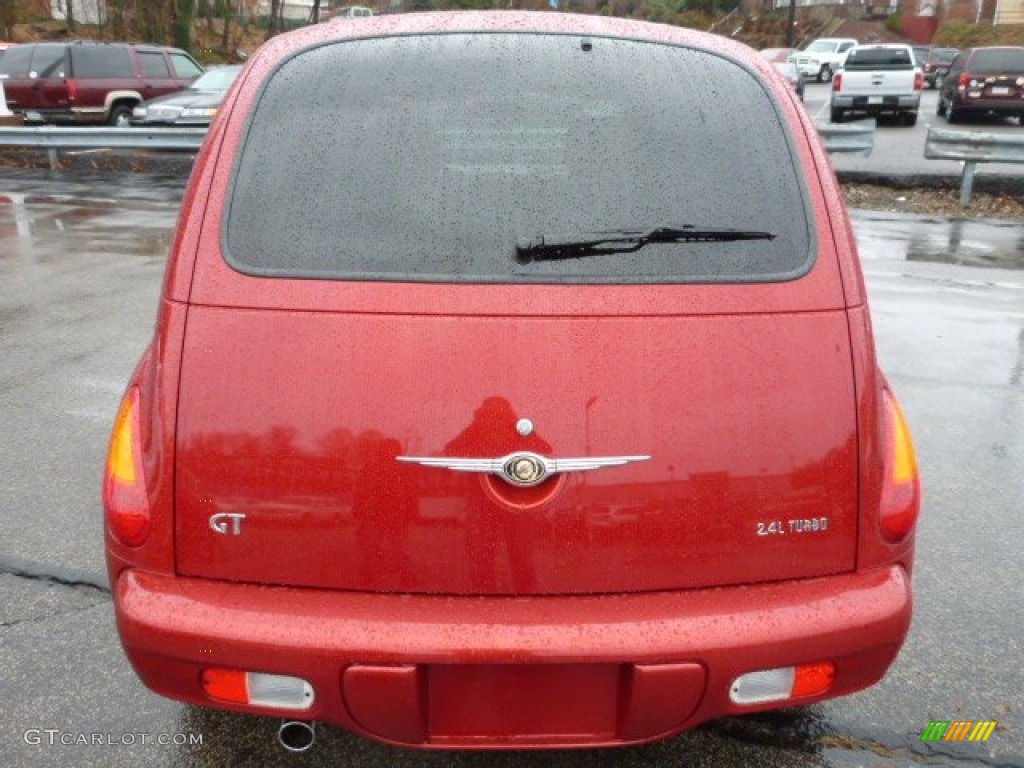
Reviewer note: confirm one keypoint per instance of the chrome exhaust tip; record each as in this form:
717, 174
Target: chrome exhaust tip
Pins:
296, 735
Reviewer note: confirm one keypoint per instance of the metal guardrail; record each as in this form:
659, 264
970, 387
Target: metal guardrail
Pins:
53, 139
856, 137
971, 148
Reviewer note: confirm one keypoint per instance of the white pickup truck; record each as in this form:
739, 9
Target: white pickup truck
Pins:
878, 79
823, 58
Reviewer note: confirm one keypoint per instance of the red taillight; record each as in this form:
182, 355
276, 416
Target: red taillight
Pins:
918, 81
226, 685
72, 89
813, 679
837, 83
963, 81
901, 487
124, 488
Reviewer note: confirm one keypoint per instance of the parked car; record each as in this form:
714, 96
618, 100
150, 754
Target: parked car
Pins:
934, 62
984, 80
6, 116
878, 79
347, 12
823, 57
777, 54
792, 74
196, 106
538, 412
87, 82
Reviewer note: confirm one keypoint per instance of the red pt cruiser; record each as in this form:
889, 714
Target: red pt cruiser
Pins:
513, 385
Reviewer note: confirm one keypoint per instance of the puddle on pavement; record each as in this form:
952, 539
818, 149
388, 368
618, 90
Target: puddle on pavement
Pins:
967, 242
98, 225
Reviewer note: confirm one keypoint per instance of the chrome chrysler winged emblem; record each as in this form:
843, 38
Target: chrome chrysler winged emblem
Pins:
523, 469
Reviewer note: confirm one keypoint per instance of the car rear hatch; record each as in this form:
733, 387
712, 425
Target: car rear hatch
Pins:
360, 328
996, 74
879, 71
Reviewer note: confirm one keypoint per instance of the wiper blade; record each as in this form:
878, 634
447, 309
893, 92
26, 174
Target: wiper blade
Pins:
558, 247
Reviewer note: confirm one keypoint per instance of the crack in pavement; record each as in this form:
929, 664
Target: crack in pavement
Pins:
68, 577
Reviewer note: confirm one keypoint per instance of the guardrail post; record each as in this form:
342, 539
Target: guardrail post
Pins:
967, 182
971, 148
54, 156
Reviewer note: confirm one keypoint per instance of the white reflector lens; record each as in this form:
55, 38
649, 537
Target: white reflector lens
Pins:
766, 685
279, 691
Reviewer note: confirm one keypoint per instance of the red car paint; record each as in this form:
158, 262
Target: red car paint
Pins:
442, 609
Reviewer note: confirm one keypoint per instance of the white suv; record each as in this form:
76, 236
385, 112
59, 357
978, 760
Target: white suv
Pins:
822, 58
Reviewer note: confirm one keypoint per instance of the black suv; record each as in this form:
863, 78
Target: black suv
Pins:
86, 82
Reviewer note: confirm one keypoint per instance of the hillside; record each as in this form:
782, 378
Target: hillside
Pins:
214, 40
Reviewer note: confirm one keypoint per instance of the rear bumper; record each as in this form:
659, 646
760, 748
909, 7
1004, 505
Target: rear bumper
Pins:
67, 116
881, 104
190, 122
438, 671
1000, 106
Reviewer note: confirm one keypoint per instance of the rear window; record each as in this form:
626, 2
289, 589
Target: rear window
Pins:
184, 67
879, 58
16, 61
997, 62
101, 62
153, 64
822, 46
48, 61
426, 158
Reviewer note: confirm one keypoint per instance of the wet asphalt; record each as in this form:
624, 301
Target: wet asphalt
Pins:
81, 259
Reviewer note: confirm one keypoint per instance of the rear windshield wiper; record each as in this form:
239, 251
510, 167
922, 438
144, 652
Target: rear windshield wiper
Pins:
554, 248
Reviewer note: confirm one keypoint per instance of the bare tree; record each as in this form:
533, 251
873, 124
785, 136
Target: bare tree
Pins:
8, 18
275, 9
184, 13
226, 14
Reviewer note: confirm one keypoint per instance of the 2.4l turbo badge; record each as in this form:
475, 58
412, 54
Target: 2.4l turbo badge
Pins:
796, 525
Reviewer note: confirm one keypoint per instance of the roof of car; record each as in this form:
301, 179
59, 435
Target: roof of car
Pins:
509, 21
106, 43
447, 22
